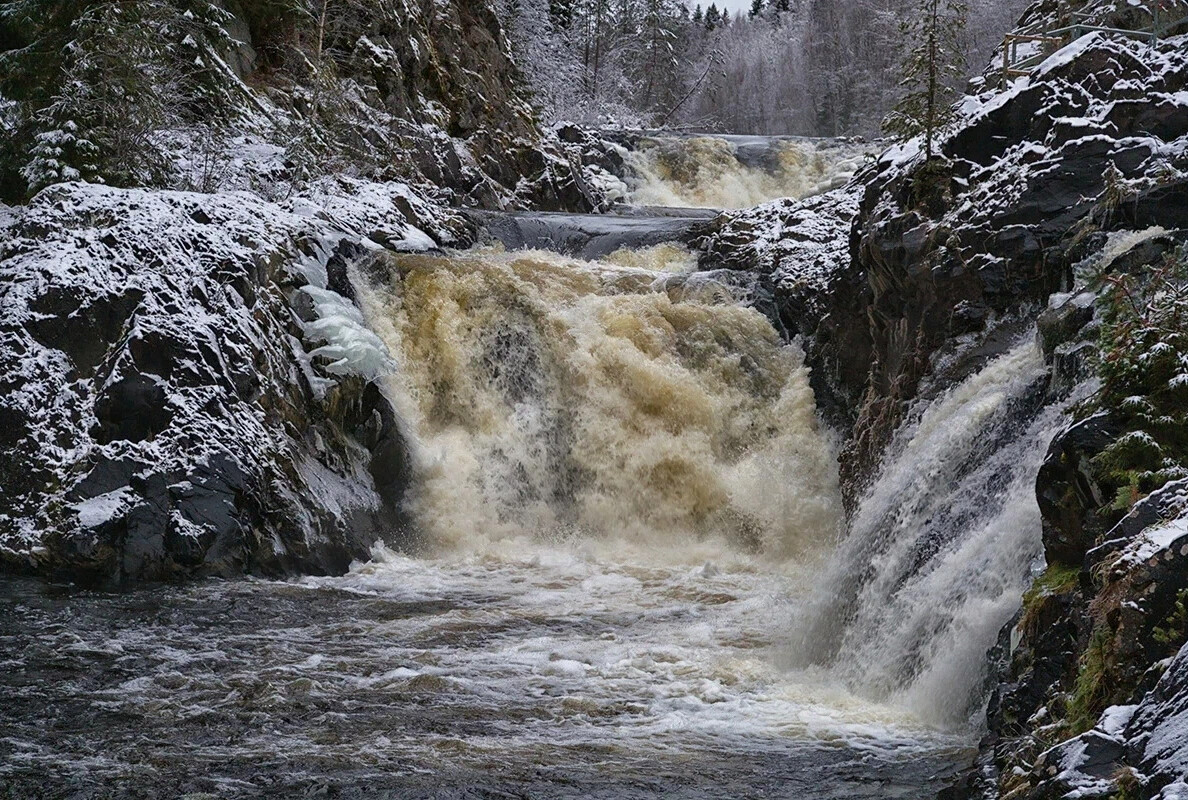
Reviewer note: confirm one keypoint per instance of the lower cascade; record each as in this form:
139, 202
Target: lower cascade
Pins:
623, 403
632, 413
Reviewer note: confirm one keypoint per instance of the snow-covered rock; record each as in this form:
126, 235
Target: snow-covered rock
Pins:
185, 386
800, 250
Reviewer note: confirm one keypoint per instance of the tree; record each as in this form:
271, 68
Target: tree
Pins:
561, 13
712, 18
932, 66
96, 80
698, 17
756, 8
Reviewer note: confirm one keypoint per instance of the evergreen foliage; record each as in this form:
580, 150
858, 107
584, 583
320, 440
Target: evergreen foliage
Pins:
815, 67
93, 82
1144, 345
712, 18
933, 65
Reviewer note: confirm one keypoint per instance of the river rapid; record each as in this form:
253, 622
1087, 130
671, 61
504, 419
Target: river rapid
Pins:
630, 576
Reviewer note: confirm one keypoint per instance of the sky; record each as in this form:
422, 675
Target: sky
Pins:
733, 5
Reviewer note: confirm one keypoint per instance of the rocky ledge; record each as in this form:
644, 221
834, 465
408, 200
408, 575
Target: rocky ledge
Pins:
187, 387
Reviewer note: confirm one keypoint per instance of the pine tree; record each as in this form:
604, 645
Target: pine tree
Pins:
756, 8
712, 17
698, 17
561, 13
781, 7
932, 65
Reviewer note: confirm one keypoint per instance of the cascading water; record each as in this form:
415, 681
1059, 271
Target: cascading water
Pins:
619, 402
941, 548
629, 579
708, 171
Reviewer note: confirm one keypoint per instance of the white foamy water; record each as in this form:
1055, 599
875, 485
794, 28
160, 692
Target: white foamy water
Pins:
941, 548
731, 172
642, 658
628, 579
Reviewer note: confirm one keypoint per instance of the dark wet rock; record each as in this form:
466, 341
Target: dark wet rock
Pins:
1067, 489
1007, 236
589, 236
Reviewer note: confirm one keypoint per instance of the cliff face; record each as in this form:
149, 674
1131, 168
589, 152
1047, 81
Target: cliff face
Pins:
252, 94
1060, 201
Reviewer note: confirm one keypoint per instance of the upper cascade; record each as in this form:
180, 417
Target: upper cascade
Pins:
727, 171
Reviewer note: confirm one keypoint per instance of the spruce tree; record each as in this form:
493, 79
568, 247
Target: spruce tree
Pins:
561, 13
756, 8
930, 69
95, 80
698, 17
712, 17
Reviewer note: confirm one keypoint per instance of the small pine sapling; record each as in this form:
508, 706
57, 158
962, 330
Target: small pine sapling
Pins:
933, 64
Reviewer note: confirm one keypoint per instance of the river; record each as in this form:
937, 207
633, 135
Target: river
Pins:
630, 575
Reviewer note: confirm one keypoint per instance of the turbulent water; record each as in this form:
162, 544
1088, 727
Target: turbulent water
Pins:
628, 577
941, 549
737, 171
620, 404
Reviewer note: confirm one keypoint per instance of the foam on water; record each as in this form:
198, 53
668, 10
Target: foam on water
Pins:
646, 658
628, 582
941, 548
554, 400
717, 172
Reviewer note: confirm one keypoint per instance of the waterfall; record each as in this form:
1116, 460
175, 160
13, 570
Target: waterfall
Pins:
941, 548
622, 404
737, 171
637, 412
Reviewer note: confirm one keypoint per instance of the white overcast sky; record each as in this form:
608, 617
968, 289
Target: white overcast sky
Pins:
733, 5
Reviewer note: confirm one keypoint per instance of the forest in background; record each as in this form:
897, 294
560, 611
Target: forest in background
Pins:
807, 67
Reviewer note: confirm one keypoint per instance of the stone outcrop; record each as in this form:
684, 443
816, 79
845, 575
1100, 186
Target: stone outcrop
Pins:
1045, 191
979, 239
185, 392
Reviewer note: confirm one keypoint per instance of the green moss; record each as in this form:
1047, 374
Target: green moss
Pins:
1144, 343
1056, 579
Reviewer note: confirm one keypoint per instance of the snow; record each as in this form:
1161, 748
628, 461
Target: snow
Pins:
1115, 719
95, 511
1160, 726
1155, 540
802, 244
1178, 790
1065, 55
200, 282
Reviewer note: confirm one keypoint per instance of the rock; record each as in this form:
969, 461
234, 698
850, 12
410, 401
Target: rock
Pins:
161, 416
800, 251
